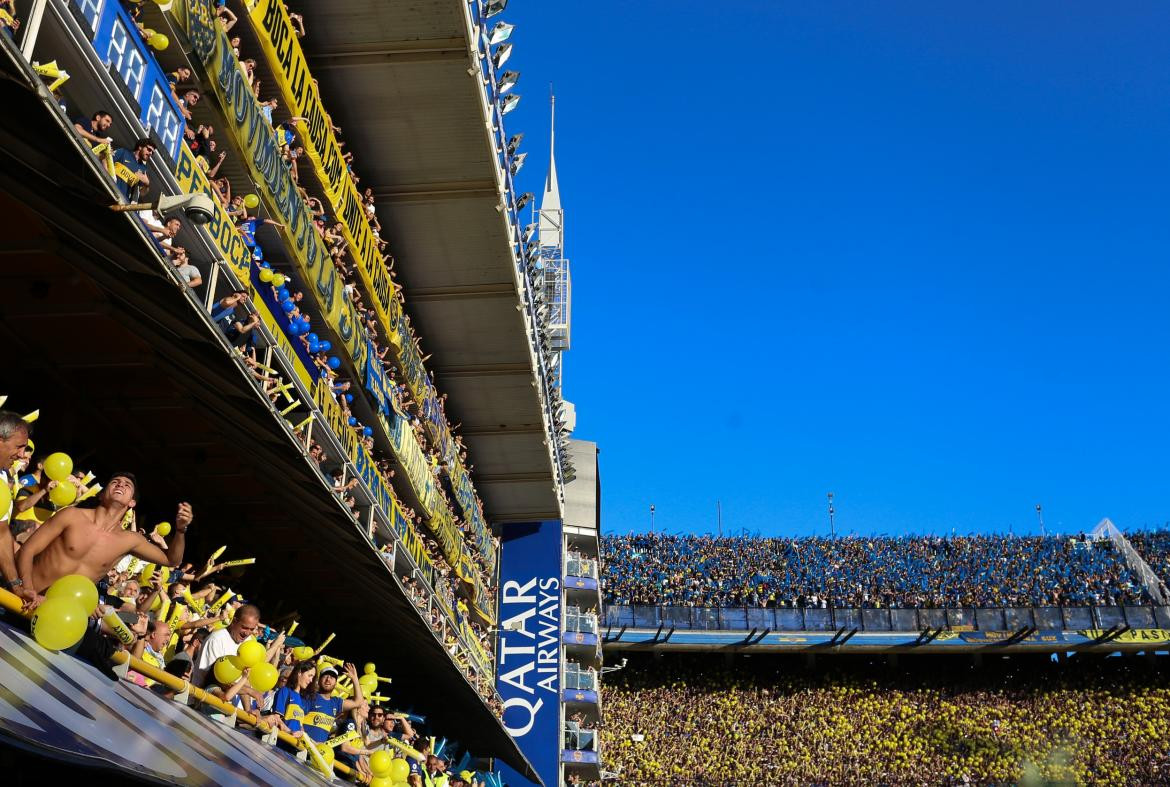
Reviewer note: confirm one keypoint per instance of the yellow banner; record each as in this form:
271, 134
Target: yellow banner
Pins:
383, 492
283, 345
222, 230
1153, 636
278, 39
478, 654
261, 154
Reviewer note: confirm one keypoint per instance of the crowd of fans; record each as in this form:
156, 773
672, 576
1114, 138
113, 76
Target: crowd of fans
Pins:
182, 618
238, 318
696, 720
868, 572
1154, 547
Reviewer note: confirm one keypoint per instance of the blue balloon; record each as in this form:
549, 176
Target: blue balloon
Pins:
282, 294
349, 398
294, 328
264, 264
334, 362
352, 421
314, 346
326, 345
312, 337
367, 431
288, 307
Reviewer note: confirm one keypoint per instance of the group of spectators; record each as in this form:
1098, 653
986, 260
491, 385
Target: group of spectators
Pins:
1154, 547
331, 230
239, 319
181, 617
695, 720
867, 572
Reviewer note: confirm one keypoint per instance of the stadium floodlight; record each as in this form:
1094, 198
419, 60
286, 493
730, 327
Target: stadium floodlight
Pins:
198, 208
501, 55
518, 163
507, 81
494, 7
524, 199
514, 142
500, 33
530, 231
510, 103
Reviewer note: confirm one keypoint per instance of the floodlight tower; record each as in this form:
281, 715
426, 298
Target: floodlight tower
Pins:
552, 269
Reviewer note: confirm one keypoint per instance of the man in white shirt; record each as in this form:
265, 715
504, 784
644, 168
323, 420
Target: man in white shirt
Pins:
13, 441
225, 642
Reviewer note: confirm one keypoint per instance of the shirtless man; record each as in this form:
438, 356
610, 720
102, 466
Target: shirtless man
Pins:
88, 541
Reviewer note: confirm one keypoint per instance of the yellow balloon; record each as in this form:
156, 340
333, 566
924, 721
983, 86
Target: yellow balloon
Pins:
263, 676
266, 275
382, 781
399, 770
278, 279
76, 588
147, 573
58, 466
225, 671
59, 623
251, 201
369, 669
380, 762
303, 653
159, 41
250, 653
163, 529
326, 753
369, 684
63, 494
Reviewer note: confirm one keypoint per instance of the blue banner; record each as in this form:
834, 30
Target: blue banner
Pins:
529, 659
120, 46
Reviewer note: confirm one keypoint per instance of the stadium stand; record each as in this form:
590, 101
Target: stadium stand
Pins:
186, 622
1154, 547
684, 719
861, 572
294, 288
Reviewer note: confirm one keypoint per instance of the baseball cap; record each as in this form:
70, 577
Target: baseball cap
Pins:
330, 670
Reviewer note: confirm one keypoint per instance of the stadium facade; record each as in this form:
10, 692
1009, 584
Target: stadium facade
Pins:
456, 305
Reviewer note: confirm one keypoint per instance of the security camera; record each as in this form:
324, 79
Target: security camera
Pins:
198, 208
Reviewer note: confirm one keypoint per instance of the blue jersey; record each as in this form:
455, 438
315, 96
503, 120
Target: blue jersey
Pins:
248, 228
321, 716
291, 707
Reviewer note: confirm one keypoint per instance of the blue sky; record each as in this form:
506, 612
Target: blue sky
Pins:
911, 253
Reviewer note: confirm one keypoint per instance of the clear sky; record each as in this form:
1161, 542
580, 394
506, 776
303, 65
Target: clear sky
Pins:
915, 254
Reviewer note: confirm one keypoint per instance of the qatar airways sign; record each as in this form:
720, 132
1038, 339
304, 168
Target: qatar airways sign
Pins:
528, 665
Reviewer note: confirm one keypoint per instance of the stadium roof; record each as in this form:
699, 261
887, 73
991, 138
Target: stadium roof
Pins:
395, 77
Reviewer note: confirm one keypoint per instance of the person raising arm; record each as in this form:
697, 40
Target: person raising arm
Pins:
90, 541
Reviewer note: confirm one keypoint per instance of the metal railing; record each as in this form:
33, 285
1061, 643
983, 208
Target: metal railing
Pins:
576, 620
578, 738
579, 678
577, 566
886, 619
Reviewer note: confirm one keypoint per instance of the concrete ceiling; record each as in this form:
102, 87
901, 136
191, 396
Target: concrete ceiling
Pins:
394, 76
